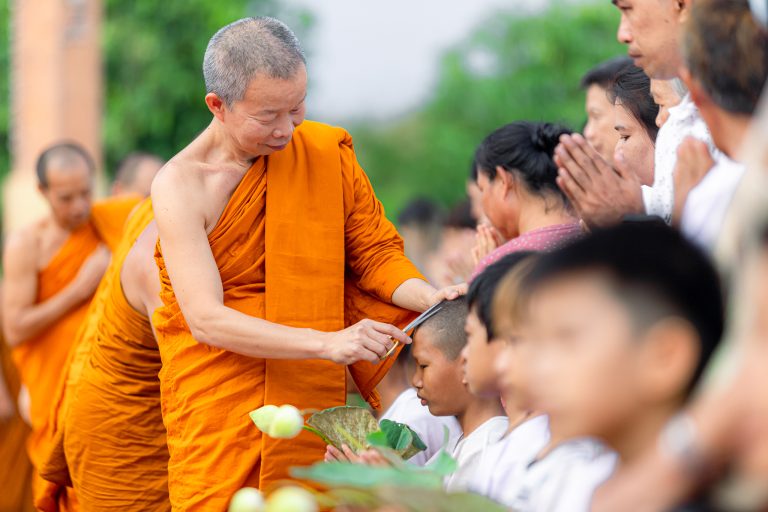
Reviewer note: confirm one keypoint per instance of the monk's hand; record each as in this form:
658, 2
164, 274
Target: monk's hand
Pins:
367, 340
600, 194
448, 293
693, 163
91, 272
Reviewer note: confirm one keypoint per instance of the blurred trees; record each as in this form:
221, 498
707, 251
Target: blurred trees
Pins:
511, 68
153, 56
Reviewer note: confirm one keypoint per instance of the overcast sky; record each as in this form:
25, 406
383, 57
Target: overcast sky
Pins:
374, 58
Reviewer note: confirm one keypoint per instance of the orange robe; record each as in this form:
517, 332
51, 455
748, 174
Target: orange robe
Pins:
15, 468
109, 439
304, 242
41, 360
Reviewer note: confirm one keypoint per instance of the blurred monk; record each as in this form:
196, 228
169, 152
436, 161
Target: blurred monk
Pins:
135, 173
15, 468
278, 268
109, 439
51, 271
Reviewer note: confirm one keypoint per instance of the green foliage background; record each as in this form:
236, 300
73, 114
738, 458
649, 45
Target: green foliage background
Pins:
536, 65
529, 68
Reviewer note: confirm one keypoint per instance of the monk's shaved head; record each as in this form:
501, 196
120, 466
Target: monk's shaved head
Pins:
245, 48
446, 327
64, 155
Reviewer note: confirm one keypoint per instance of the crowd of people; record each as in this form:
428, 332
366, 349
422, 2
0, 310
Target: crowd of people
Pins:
599, 332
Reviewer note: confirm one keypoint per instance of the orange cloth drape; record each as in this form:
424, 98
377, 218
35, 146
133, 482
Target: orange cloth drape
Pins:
303, 242
41, 360
108, 437
15, 467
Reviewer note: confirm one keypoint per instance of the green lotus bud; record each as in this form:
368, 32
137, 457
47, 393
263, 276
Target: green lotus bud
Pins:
247, 499
291, 499
263, 416
286, 423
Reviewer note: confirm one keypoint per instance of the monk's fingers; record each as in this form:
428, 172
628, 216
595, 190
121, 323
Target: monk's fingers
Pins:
382, 339
391, 331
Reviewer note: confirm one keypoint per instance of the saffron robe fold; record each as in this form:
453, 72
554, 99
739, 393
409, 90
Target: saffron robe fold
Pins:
303, 242
41, 360
109, 439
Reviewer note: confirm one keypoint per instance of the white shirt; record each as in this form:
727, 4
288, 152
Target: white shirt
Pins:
563, 481
707, 204
494, 468
684, 121
407, 409
469, 447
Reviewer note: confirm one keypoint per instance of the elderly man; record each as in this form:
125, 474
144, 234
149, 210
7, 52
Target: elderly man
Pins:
272, 248
52, 269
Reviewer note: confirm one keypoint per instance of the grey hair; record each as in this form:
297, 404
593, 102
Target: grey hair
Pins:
245, 48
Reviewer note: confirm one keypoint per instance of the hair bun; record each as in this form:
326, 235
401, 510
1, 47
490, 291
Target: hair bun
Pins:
546, 137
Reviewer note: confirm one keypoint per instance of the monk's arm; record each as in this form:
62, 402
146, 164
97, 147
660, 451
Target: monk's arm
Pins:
23, 319
375, 249
197, 285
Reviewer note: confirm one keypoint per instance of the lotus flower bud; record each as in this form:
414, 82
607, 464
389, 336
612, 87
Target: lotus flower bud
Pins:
263, 416
247, 499
291, 499
287, 423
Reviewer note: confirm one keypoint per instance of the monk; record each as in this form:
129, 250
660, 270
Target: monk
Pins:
278, 269
135, 173
15, 468
109, 438
51, 271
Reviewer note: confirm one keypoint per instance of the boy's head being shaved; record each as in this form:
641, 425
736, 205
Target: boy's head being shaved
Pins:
446, 327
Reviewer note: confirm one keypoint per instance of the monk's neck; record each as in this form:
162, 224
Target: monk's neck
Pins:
478, 412
542, 212
220, 149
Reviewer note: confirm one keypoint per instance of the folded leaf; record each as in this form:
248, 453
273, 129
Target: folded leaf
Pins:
344, 425
402, 438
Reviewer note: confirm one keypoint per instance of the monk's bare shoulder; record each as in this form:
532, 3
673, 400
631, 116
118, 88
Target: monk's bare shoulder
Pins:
25, 243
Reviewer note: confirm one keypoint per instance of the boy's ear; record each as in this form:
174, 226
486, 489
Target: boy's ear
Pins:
670, 356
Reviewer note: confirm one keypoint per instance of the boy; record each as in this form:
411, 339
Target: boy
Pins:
403, 406
623, 325
439, 382
487, 473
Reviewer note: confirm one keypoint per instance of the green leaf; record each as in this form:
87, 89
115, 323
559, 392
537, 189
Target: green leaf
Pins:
344, 425
443, 464
340, 474
402, 438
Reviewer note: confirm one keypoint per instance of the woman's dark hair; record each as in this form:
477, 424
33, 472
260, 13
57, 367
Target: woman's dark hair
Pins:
526, 150
632, 90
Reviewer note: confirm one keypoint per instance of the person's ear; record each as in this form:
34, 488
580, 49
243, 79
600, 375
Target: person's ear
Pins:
216, 105
507, 181
43, 190
670, 355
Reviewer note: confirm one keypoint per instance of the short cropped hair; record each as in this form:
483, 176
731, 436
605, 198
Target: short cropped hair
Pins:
483, 287
726, 51
447, 327
654, 271
70, 151
245, 48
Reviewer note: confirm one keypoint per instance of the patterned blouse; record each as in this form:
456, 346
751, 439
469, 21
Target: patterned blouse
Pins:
543, 239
